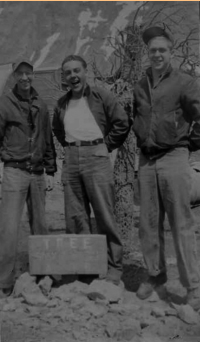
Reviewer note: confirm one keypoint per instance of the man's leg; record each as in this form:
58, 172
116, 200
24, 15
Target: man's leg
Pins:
151, 230
97, 175
175, 180
77, 209
36, 204
14, 191
175, 185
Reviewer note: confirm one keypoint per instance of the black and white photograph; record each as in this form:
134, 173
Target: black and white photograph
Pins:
99, 171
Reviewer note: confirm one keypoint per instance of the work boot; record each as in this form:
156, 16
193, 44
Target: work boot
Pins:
193, 298
4, 293
146, 289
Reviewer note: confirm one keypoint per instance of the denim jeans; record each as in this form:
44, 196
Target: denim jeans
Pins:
165, 187
87, 177
18, 187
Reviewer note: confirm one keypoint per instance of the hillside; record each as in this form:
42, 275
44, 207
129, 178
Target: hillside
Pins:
47, 31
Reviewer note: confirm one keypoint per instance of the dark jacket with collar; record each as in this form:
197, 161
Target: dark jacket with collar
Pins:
109, 115
164, 114
25, 132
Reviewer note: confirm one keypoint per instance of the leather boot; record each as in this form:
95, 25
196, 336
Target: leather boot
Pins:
146, 289
193, 298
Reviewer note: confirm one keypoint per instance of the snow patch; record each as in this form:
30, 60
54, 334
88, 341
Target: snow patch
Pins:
32, 56
45, 50
87, 21
120, 22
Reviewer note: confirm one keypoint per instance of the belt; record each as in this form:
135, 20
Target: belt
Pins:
84, 142
25, 165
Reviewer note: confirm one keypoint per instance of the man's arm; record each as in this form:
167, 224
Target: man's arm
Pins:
50, 154
191, 104
57, 127
2, 126
119, 122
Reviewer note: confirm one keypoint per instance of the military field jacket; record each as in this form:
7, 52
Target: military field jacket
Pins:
165, 113
25, 132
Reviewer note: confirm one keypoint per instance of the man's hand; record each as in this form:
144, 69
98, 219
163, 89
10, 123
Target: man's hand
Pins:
49, 182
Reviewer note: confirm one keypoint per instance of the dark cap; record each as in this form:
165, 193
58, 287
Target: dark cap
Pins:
17, 63
155, 31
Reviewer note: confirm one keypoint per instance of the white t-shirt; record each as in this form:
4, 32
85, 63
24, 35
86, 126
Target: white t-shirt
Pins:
79, 122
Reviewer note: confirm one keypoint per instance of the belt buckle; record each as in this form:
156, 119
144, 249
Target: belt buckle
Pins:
78, 143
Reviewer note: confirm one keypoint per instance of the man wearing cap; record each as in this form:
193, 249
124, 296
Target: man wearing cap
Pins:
89, 123
27, 150
166, 103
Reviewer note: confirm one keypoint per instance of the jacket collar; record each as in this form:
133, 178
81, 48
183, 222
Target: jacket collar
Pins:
167, 72
68, 95
33, 92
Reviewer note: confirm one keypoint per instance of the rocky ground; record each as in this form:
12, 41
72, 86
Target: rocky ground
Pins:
71, 310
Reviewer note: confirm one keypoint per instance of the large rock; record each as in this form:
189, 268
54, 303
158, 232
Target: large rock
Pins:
186, 314
106, 290
37, 299
25, 284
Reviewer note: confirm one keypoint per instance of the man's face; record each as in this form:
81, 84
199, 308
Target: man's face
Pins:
159, 51
75, 76
24, 77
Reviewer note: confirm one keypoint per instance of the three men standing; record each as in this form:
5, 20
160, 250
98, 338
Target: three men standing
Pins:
27, 150
89, 123
166, 103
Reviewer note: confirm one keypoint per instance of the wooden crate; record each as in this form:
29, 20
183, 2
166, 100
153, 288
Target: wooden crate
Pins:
67, 254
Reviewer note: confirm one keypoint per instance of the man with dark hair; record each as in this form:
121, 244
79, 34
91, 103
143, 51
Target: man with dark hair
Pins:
26, 149
166, 102
89, 123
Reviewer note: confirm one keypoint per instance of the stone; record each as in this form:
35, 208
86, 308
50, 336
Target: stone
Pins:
33, 311
37, 299
24, 284
126, 334
157, 312
153, 298
95, 296
186, 314
78, 301
132, 323
78, 287
94, 310
63, 293
9, 307
111, 329
111, 292
45, 285
170, 312
147, 336
52, 303
147, 321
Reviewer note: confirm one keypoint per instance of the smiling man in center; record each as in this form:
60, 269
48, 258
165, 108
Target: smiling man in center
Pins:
89, 123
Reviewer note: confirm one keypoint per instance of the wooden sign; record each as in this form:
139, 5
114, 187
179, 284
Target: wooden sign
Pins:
67, 254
